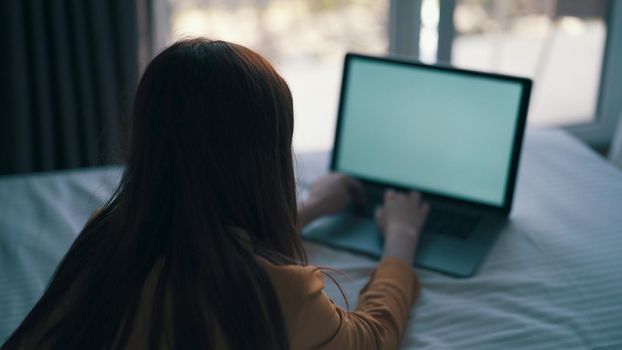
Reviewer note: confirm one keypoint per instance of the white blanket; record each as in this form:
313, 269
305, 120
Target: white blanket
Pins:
553, 280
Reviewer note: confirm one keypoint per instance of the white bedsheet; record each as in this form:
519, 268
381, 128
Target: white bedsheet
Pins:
553, 280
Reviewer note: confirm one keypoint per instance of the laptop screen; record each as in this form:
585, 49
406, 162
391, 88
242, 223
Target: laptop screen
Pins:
441, 131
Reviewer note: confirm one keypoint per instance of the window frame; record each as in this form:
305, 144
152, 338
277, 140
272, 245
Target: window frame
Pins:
404, 27
599, 132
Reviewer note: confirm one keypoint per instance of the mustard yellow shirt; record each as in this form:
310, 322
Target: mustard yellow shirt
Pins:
312, 319
315, 322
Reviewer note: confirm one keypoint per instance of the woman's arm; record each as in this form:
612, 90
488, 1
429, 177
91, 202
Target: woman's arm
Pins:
384, 304
378, 322
329, 195
308, 212
400, 220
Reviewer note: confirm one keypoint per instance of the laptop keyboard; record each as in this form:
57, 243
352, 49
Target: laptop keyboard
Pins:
452, 223
440, 221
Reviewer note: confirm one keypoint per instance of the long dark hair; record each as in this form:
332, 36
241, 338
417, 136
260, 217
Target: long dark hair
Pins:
209, 148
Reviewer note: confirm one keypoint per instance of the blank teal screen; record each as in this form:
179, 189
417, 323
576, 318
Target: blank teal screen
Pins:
433, 130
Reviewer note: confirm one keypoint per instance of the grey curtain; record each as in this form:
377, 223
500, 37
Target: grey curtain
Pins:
68, 71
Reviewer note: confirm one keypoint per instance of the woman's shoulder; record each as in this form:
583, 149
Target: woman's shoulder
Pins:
292, 279
305, 278
293, 285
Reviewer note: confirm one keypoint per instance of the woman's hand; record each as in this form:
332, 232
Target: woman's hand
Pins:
400, 220
333, 192
329, 195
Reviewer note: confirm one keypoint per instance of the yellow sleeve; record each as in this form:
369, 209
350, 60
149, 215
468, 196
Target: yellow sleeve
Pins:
378, 321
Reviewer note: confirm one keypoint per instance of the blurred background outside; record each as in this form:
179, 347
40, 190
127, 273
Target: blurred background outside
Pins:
559, 46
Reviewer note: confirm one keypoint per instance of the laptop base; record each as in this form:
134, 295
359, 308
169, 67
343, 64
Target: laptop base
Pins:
439, 252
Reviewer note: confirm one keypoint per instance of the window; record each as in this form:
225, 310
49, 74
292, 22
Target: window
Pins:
568, 47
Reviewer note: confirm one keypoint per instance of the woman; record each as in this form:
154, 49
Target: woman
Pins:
198, 247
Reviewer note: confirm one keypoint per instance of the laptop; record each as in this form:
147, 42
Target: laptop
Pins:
453, 134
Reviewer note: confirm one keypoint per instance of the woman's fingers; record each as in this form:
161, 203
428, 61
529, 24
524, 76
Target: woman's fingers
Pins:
412, 196
425, 208
379, 217
389, 194
415, 196
356, 189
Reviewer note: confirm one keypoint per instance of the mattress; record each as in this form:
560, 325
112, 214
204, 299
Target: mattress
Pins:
553, 279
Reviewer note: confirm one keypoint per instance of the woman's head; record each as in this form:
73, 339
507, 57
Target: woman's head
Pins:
212, 125
209, 149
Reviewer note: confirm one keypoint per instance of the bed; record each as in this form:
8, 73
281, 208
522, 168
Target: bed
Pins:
553, 280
